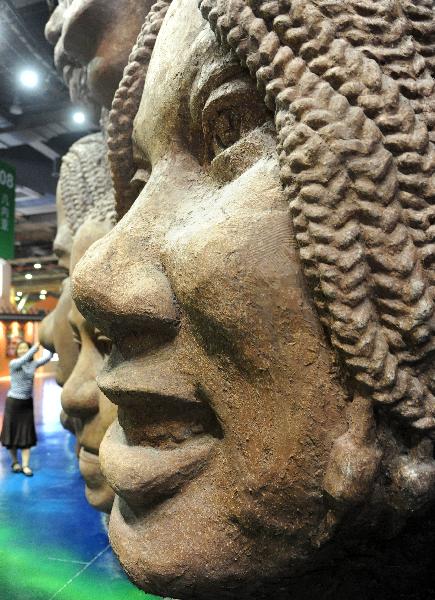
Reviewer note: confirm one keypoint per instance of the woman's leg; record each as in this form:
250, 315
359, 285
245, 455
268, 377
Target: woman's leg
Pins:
16, 467
25, 457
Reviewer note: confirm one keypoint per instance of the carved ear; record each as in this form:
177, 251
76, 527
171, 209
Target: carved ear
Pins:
412, 478
355, 456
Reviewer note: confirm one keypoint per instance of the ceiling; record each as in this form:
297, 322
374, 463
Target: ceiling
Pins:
36, 129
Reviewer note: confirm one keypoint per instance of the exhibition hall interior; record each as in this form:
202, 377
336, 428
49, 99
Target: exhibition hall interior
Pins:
217, 299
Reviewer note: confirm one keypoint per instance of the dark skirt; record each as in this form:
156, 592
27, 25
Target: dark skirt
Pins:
18, 424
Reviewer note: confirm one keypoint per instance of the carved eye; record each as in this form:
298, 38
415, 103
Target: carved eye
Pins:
102, 342
230, 113
76, 338
139, 181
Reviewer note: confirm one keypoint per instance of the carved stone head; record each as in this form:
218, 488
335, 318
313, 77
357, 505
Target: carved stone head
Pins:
92, 42
268, 292
81, 398
86, 197
84, 178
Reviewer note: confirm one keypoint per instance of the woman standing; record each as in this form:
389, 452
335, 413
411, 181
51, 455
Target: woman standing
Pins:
18, 430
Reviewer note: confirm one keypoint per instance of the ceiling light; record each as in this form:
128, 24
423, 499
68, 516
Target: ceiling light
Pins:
28, 275
79, 117
19, 294
37, 266
29, 78
43, 292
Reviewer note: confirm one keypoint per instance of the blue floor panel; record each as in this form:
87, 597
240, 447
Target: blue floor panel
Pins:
53, 545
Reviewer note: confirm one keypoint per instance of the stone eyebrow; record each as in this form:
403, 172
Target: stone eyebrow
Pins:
208, 79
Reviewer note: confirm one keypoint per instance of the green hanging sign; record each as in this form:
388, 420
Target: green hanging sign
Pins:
7, 210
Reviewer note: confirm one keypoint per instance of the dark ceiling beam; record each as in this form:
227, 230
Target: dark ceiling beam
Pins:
46, 117
8, 117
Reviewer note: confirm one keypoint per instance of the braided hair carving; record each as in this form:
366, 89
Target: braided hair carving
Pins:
125, 106
357, 164
85, 184
351, 86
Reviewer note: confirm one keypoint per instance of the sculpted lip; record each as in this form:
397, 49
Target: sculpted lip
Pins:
144, 476
98, 493
90, 453
160, 440
68, 72
90, 468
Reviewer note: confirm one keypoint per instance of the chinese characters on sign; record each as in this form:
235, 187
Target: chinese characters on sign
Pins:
7, 210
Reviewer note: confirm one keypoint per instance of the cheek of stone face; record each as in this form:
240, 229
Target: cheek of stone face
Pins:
63, 340
236, 272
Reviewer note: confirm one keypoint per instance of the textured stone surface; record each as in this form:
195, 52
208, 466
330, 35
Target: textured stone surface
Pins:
92, 40
269, 296
81, 398
85, 213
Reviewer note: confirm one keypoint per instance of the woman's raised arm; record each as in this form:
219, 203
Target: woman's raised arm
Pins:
19, 362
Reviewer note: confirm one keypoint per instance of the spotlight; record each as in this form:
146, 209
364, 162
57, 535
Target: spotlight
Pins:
79, 117
19, 294
43, 292
29, 78
37, 266
28, 275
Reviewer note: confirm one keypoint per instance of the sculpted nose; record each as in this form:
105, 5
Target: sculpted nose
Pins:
81, 37
80, 392
122, 291
53, 29
46, 338
80, 400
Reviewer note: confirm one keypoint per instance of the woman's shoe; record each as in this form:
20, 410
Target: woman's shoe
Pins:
16, 467
27, 471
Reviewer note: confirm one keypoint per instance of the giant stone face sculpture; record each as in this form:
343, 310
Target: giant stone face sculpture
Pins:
92, 42
85, 196
55, 335
272, 369
81, 398
74, 74
83, 178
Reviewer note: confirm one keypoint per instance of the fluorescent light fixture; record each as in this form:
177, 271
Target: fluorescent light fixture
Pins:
29, 78
37, 266
28, 275
79, 117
